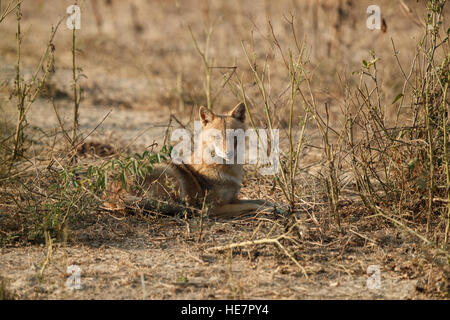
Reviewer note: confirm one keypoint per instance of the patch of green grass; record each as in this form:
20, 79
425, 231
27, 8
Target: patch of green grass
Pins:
182, 278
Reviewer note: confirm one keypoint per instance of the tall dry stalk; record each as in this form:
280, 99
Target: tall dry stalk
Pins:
208, 67
26, 92
207, 64
18, 91
75, 85
446, 158
293, 63
10, 7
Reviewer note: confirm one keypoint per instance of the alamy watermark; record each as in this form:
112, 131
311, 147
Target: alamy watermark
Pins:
374, 20
74, 20
374, 280
74, 280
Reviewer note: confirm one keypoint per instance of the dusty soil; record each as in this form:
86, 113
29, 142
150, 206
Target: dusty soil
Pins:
133, 256
130, 92
115, 252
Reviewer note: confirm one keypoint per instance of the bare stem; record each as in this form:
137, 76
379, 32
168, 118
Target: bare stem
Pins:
76, 95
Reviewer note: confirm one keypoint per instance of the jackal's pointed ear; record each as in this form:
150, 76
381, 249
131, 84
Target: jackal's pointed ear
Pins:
238, 112
206, 115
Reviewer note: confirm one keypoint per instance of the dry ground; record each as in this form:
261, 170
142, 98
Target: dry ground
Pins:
114, 252
144, 67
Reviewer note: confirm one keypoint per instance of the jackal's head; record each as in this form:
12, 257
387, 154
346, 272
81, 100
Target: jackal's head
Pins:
219, 131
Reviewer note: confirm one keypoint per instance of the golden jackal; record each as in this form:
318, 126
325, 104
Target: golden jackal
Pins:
218, 184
